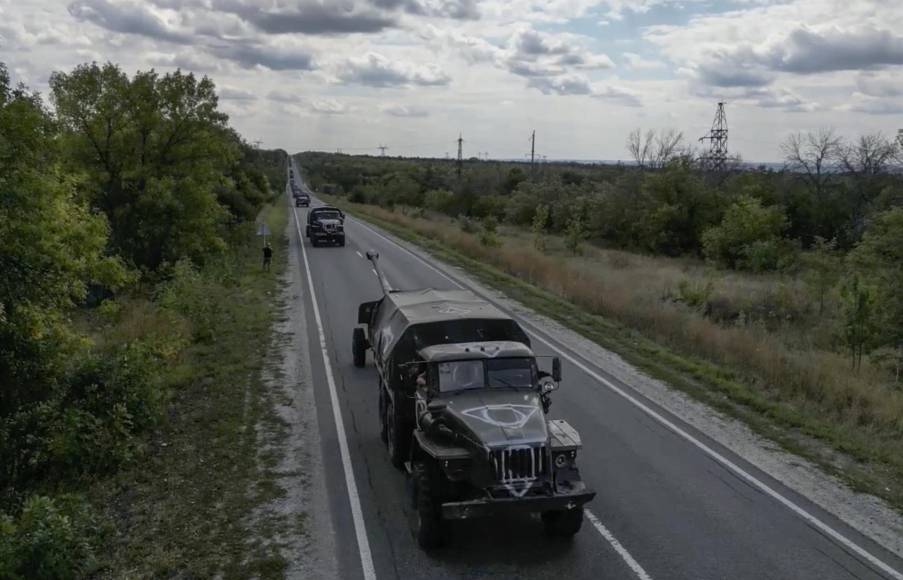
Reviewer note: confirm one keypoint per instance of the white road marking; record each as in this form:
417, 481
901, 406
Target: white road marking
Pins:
374, 272
617, 546
354, 499
359, 255
724, 461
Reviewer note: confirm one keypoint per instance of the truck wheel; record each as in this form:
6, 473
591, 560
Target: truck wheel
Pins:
562, 523
342, 243
430, 533
359, 347
396, 440
306, 231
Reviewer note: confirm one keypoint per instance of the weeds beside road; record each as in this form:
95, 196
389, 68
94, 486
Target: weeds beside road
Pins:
796, 394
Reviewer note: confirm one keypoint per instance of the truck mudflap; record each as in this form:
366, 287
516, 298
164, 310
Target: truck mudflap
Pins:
477, 508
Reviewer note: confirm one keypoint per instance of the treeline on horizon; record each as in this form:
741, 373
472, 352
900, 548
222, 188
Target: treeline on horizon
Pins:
834, 216
112, 188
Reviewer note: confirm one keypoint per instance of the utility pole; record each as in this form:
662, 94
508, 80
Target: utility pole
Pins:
716, 159
460, 154
257, 143
533, 152
382, 150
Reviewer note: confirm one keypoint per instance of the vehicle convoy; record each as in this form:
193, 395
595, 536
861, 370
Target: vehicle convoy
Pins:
302, 199
463, 409
325, 225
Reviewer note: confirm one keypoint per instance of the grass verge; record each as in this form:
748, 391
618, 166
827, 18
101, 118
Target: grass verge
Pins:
183, 510
867, 454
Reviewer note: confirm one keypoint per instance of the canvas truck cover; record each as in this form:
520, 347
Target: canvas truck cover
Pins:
407, 322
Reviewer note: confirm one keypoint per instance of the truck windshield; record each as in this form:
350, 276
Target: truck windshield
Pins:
480, 374
328, 215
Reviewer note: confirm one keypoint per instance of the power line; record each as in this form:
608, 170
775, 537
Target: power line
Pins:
716, 159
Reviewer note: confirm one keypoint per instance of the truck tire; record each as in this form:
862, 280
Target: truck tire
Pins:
562, 523
397, 441
306, 231
359, 347
342, 243
428, 503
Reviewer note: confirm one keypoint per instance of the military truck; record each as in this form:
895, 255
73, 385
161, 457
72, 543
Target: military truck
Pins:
463, 410
325, 225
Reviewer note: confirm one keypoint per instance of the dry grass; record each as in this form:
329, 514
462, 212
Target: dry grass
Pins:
765, 330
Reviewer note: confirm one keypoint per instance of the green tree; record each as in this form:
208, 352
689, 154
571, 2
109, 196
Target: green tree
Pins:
677, 208
858, 318
51, 248
155, 149
822, 268
575, 234
489, 234
540, 219
879, 256
749, 236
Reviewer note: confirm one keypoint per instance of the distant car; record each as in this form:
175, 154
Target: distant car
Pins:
302, 200
326, 225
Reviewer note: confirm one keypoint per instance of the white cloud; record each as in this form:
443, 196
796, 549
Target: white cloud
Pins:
376, 70
637, 62
405, 111
329, 107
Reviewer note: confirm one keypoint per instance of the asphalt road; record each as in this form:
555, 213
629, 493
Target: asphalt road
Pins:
670, 502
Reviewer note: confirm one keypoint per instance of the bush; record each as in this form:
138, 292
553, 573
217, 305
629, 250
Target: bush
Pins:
575, 234
749, 237
49, 540
467, 225
189, 293
440, 200
90, 424
489, 235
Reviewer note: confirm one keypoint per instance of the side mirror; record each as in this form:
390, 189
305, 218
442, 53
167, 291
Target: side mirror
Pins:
547, 386
372, 255
556, 369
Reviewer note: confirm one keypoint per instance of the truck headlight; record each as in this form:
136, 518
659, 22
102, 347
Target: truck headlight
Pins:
564, 459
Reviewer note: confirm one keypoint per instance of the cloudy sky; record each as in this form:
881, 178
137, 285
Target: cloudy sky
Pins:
412, 74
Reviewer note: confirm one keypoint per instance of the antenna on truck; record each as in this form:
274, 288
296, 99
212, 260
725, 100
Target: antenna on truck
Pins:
373, 256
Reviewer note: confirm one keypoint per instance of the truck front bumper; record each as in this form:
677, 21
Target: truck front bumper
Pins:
329, 237
477, 508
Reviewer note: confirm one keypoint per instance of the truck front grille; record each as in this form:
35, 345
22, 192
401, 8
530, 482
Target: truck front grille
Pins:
516, 464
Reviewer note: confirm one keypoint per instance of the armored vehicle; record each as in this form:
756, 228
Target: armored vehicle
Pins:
302, 199
325, 225
463, 409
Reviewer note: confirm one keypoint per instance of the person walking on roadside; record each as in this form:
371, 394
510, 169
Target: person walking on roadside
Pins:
267, 256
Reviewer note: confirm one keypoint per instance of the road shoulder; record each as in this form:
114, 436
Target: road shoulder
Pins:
295, 524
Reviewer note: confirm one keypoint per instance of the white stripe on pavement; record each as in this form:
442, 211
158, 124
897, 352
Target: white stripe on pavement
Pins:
724, 461
617, 546
363, 543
